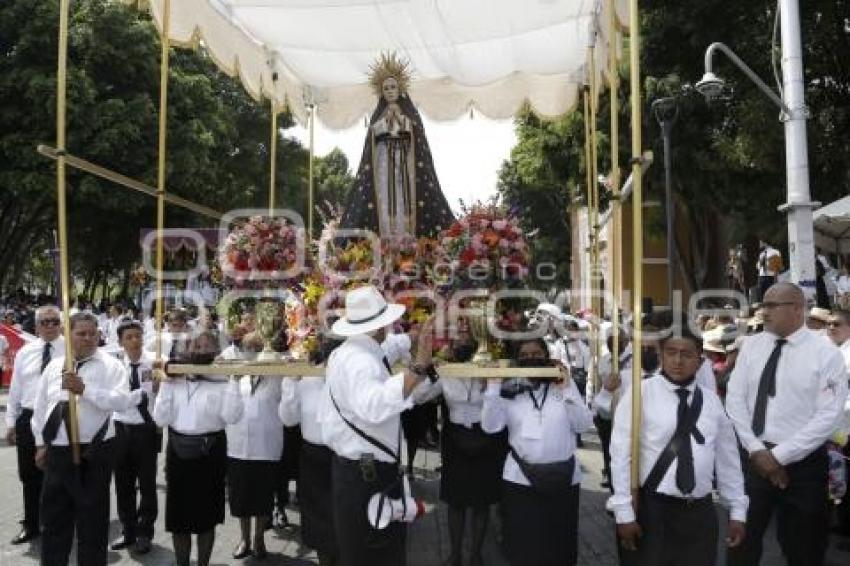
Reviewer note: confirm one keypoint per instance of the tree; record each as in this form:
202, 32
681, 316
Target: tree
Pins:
217, 136
728, 157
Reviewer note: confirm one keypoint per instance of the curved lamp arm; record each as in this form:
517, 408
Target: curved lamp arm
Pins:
709, 54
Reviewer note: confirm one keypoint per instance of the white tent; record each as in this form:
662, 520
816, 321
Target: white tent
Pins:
492, 55
832, 226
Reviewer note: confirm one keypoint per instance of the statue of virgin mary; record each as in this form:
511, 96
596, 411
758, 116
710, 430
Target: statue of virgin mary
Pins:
397, 192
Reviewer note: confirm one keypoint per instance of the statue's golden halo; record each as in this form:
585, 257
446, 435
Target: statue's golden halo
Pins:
389, 65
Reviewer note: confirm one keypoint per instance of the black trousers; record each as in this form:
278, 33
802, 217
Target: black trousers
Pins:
136, 449
802, 514
676, 532
76, 498
31, 477
359, 544
603, 428
539, 530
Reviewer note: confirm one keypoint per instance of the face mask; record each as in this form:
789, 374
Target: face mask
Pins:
201, 358
533, 362
649, 359
463, 352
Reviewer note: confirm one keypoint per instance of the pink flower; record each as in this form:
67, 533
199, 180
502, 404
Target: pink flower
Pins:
484, 223
253, 261
504, 244
500, 225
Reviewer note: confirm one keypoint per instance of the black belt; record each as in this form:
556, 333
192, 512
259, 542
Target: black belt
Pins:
356, 463
680, 501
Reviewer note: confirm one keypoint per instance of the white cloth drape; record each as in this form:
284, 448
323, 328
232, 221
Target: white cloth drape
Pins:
493, 55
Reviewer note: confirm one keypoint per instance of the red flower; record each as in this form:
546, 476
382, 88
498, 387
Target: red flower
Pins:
467, 256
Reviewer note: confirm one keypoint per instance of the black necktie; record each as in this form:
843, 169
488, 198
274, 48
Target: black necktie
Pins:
685, 480
767, 387
387, 365
45, 356
134, 377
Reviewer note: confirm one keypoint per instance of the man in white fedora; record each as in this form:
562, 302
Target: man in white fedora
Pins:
361, 425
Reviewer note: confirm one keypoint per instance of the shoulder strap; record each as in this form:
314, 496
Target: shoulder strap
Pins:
671, 451
365, 436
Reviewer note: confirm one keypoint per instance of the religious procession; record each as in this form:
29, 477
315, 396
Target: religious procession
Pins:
511, 336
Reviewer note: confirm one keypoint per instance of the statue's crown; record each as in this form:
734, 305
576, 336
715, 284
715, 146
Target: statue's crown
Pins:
389, 65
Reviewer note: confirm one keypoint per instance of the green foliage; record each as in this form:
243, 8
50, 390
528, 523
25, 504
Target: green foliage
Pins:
218, 137
728, 157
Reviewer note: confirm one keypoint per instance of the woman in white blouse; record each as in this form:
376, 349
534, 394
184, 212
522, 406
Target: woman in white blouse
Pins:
195, 410
540, 512
472, 459
254, 445
299, 402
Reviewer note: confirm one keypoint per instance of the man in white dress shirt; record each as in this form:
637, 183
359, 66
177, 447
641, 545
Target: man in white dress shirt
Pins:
785, 398
768, 258
686, 442
30, 361
360, 419
137, 443
77, 495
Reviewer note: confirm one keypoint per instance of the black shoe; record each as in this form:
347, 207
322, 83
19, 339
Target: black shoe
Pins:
242, 550
122, 542
25, 535
605, 483
142, 546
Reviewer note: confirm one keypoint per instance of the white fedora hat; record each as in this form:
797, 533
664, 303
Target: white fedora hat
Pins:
366, 310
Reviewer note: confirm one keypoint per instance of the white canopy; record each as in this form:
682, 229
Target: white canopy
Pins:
832, 226
492, 55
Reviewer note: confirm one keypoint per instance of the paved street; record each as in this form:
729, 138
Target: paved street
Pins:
428, 541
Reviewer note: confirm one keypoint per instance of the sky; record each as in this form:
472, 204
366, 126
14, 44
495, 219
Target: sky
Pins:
467, 152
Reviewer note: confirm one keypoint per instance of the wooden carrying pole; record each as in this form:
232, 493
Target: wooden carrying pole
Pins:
637, 238
494, 370
160, 174
62, 212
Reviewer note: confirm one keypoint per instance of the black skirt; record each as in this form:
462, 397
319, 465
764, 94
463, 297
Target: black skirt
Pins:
194, 496
539, 530
472, 475
250, 487
315, 498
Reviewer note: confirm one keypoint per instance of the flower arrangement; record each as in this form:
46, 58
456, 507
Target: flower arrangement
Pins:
259, 252
484, 247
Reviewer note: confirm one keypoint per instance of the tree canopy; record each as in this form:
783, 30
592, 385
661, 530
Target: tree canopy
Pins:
218, 137
728, 156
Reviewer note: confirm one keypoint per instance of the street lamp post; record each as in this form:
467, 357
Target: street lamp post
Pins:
666, 112
792, 103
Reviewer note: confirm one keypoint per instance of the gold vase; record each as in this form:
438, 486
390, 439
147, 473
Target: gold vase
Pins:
269, 323
477, 317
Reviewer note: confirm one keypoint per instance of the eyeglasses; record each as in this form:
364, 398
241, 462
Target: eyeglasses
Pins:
49, 322
770, 306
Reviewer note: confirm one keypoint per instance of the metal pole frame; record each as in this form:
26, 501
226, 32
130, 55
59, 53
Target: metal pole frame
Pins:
62, 213
595, 279
273, 160
637, 239
312, 120
160, 176
616, 228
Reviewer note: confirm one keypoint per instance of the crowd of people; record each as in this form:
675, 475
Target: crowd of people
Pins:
745, 411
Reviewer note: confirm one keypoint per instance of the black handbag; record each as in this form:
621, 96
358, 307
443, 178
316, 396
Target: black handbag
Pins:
191, 446
553, 478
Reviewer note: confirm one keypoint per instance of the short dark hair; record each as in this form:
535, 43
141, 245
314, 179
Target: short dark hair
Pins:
128, 325
79, 317
178, 314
